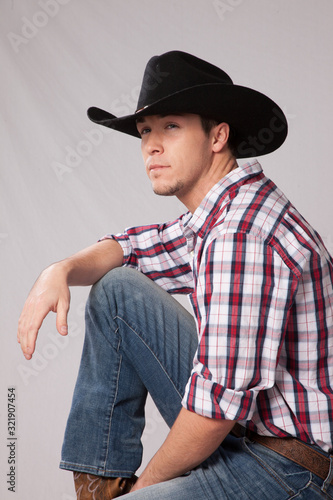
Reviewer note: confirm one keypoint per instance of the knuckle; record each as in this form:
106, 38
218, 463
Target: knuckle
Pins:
32, 328
64, 305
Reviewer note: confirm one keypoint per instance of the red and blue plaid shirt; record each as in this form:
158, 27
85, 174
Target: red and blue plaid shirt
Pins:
260, 284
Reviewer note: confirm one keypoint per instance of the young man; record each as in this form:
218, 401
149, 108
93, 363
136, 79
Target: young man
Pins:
245, 385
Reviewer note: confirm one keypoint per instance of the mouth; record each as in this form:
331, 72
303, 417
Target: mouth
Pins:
156, 167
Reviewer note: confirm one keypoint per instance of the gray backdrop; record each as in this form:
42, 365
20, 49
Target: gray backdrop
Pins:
65, 181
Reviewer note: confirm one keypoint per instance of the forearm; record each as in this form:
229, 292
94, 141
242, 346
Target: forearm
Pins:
191, 440
89, 265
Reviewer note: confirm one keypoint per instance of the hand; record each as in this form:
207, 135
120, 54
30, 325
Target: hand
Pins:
139, 484
49, 293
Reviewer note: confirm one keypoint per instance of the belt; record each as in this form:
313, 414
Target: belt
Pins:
292, 448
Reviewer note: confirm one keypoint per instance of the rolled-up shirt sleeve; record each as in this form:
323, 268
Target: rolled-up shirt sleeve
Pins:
243, 295
160, 252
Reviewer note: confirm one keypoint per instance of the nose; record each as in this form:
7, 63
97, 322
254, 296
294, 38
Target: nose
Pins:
153, 143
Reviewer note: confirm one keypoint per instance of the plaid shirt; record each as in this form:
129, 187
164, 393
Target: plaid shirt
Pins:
260, 284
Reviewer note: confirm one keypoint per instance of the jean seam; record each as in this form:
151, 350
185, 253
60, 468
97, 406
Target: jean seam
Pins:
313, 484
113, 405
93, 469
152, 352
268, 469
328, 479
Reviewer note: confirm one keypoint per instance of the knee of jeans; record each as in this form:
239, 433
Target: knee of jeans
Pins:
120, 277
116, 282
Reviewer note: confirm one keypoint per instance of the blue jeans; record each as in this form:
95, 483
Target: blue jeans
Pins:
139, 340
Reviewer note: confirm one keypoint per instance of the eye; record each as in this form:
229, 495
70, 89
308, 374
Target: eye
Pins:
171, 125
144, 131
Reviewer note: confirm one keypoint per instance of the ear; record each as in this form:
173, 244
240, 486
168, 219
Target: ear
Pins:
220, 137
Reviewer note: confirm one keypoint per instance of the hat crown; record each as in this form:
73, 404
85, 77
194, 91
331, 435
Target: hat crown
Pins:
175, 71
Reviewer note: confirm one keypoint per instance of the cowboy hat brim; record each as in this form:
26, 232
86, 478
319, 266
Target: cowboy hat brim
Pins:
259, 124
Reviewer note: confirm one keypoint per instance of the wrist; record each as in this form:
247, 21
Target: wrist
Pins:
142, 482
149, 477
61, 269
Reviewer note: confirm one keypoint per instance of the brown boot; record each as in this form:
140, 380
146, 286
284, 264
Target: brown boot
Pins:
90, 487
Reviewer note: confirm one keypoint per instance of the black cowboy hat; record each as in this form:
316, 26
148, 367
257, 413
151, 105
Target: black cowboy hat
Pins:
177, 82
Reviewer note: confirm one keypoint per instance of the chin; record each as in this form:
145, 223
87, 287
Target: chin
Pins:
168, 190
161, 192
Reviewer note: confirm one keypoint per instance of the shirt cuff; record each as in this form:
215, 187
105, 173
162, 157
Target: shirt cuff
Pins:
124, 242
209, 399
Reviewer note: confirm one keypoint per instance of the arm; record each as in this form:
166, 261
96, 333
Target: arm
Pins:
160, 252
191, 440
51, 290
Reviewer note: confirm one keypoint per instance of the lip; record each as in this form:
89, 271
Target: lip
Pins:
157, 166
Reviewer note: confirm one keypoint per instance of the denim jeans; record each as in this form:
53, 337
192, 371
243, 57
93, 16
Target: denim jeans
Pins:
139, 340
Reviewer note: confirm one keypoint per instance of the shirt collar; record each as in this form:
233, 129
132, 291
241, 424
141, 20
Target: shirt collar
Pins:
205, 214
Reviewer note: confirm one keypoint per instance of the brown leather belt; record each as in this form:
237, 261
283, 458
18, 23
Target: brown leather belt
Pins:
292, 448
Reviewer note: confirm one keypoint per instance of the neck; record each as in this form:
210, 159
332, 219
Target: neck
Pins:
214, 174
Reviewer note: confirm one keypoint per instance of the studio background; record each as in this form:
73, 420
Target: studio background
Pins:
65, 182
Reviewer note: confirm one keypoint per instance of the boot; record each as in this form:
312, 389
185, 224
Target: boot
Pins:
90, 487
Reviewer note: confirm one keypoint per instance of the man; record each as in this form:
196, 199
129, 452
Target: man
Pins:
246, 386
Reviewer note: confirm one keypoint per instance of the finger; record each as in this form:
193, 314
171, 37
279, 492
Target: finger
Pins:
29, 325
27, 339
62, 313
29, 349
28, 343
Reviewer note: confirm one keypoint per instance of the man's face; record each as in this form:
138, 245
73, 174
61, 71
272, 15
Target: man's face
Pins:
177, 153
